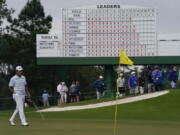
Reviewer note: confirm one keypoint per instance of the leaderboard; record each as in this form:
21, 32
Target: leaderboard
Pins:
102, 30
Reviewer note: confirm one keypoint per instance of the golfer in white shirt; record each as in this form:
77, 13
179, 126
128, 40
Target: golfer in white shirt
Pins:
17, 86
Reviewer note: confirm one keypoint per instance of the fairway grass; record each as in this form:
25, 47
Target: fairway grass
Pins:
156, 116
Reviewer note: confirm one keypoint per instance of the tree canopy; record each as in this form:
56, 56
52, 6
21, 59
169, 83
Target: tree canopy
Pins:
19, 44
18, 47
5, 13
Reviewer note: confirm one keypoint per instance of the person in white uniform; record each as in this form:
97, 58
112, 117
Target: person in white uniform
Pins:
63, 89
18, 87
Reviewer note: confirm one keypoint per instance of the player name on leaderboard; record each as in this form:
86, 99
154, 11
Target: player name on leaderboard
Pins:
102, 30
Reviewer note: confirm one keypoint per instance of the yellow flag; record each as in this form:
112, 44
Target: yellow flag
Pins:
124, 59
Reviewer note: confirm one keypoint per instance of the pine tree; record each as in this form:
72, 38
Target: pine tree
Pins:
5, 13
21, 48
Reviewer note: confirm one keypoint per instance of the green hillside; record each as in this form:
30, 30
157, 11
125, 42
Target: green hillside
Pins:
166, 108
156, 116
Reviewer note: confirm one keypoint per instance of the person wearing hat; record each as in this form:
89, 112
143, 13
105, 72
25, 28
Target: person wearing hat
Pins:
100, 87
173, 77
121, 84
18, 87
132, 83
157, 78
63, 89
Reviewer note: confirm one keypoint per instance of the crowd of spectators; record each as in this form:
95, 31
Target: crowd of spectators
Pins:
127, 83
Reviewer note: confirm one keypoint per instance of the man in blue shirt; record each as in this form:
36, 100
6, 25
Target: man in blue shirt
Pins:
132, 83
173, 77
18, 87
157, 78
99, 86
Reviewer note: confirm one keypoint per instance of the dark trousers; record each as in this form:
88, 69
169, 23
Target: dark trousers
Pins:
158, 86
122, 90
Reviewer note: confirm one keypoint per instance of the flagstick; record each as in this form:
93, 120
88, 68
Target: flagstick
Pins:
123, 59
116, 106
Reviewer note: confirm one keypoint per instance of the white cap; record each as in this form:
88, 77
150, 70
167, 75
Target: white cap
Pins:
133, 73
19, 68
101, 77
63, 83
121, 74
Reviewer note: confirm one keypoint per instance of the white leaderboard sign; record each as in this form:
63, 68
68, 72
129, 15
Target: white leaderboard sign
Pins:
169, 44
101, 31
48, 46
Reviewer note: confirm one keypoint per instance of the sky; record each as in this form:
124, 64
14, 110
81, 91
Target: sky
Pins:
168, 20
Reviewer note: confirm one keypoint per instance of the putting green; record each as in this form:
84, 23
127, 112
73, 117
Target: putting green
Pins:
91, 127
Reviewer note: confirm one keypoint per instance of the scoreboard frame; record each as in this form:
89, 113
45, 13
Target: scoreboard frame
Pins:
146, 60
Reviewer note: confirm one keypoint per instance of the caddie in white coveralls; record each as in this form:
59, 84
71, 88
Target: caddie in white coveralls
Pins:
18, 87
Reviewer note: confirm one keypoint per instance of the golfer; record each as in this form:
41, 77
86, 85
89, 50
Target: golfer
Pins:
17, 86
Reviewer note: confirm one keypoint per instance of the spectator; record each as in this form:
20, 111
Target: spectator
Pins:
121, 84
99, 86
58, 90
77, 91
63, 92
45, 98
173, 77
141, 83
72, 91
149, 80
157, 78
132, 83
